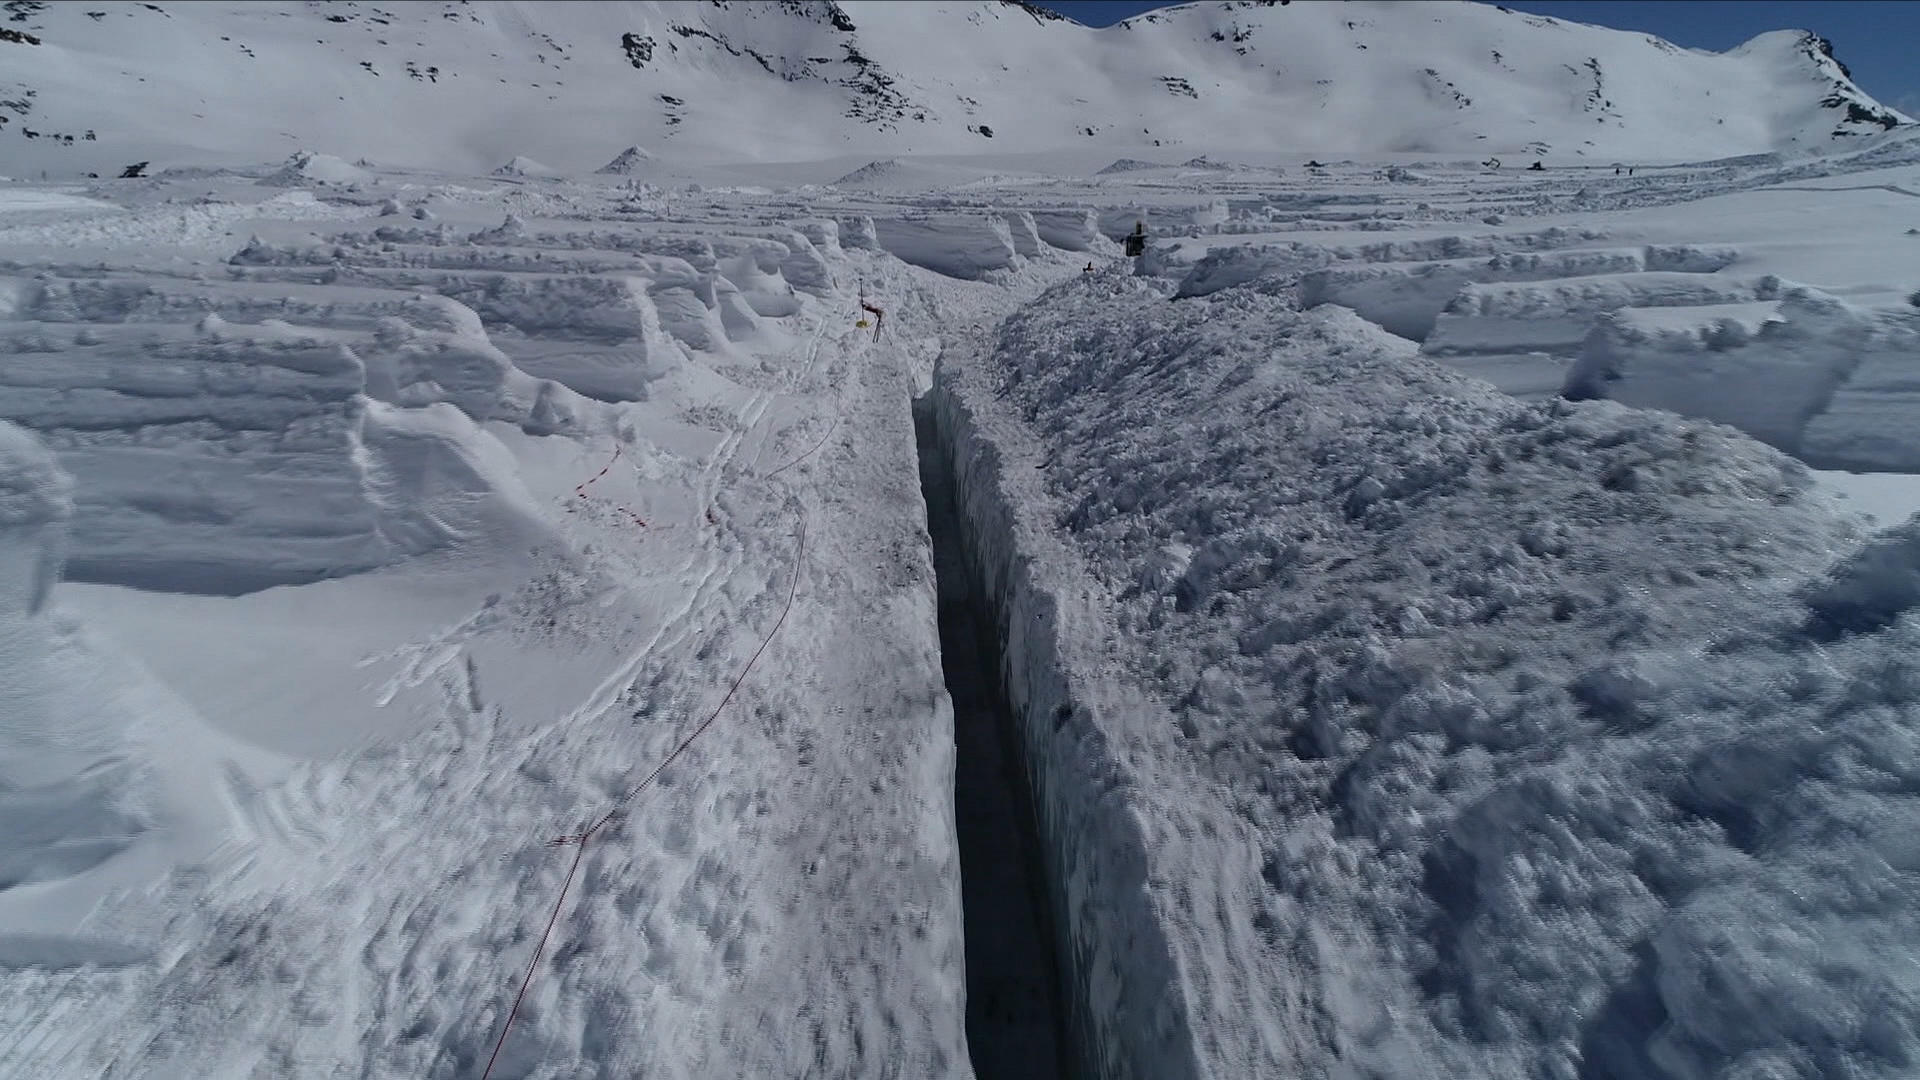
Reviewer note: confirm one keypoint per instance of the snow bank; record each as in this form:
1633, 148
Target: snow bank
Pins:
224, 458
1071, 230
1407, 299
1873, 420
1242, 263
1236, 264
1522, 337
1766, 368
1164, 220
71, 790
1491, 732
1127, 1012
1586, 297
961, 246
36, 501
1023, 231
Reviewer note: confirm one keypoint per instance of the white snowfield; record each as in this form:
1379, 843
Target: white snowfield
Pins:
1387, 711
522, 89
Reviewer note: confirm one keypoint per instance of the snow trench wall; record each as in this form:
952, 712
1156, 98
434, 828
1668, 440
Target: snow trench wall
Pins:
1128, 1015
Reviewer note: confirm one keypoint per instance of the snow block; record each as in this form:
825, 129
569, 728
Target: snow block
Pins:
1024, 232
859, 232
1070, 230
73, 788
1522, 337
36, 500
1407, 299
1227, 267
822, 233
1190, 220
1766, 368
1691, 258
1873, 422
966, 246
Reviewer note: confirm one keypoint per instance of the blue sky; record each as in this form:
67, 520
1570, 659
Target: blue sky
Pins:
1876, 39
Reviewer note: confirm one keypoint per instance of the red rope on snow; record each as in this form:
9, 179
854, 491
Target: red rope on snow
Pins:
579, 841
580, 490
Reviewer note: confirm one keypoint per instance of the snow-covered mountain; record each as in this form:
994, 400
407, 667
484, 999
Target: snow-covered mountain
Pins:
459, 85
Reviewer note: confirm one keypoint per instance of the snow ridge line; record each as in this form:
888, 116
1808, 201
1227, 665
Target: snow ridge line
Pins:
579, 840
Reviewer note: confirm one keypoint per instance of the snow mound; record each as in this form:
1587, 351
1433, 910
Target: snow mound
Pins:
306, 167
1550, 777
1128, 165
626, 163
887, 173
527, 167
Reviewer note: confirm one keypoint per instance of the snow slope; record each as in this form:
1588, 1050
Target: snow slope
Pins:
466, 86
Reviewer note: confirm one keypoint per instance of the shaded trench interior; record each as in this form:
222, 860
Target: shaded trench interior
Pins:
1017, 1007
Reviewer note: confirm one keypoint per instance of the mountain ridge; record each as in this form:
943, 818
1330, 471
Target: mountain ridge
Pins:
466, 85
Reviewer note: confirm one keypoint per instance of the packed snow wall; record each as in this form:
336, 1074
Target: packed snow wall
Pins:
1127, 1016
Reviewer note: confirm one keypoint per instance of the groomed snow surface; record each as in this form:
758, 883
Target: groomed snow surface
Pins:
1378, 722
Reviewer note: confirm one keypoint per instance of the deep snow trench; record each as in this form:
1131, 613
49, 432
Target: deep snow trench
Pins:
1016, 1009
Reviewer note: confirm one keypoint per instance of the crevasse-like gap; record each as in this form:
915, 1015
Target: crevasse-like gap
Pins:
1017, 1012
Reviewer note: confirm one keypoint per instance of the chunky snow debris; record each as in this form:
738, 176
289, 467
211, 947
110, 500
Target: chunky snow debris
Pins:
1494, 732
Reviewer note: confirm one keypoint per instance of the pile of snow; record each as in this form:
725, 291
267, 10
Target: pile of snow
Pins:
1497, 733
1128, 165
305, 168
628, 162
527, 167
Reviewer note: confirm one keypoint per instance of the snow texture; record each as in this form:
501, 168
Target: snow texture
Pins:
367, 522
1485, 729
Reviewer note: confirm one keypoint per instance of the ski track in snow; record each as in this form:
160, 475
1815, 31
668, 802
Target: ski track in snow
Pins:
1350, 762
